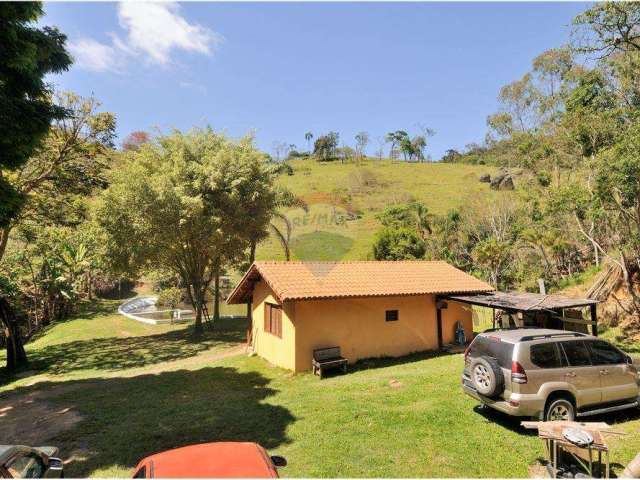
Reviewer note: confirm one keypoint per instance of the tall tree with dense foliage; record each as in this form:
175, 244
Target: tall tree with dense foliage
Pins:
183, 204
70, 162
27, 55
326, 146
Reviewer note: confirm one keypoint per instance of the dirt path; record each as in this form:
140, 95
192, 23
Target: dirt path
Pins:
31, 420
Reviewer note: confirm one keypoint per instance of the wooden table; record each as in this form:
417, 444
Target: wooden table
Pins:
551, 434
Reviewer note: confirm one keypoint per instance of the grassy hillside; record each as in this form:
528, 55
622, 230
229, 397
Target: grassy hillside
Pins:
343, 200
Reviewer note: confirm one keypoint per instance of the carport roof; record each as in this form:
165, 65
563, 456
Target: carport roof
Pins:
522, 301
300, 280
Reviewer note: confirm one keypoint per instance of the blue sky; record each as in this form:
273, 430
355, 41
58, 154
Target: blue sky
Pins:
286, 68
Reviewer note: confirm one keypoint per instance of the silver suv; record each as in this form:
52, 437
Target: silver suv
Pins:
549, 374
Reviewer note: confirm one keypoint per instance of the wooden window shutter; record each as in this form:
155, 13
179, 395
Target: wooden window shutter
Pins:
278, 322
273, 319
267, 317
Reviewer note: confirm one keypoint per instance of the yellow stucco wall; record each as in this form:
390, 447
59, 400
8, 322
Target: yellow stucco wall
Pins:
279, 351
359, 328
356, 325
453, 313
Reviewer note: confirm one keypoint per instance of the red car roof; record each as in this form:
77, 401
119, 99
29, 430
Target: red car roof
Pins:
213, 460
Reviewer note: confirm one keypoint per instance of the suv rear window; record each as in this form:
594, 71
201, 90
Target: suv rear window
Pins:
501, 351
545, 355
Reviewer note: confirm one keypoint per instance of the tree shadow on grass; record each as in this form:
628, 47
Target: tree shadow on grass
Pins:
123, 420
111, 354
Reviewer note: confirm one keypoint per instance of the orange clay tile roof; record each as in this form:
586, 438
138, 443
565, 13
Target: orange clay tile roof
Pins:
316, 280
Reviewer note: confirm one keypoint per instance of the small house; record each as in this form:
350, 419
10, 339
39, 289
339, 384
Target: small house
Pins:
367, 308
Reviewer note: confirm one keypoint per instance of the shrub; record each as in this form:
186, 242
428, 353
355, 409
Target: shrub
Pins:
398, 244
170, 297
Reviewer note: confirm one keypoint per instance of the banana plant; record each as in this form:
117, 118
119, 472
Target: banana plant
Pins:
285, 199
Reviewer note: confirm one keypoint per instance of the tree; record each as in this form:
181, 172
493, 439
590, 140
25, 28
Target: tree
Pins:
518, 100
618, 190
451, 156
608, 27
280, 150
325, 146
395, 139
418, 144
285, 199
346, 153
28, 54
398, 244
493, 256
414, 215
182, 205
16, 355
552, 70
135, 140
406, 147
308, 136
501, 123
170, 297
420, 141
70, 161
362, 140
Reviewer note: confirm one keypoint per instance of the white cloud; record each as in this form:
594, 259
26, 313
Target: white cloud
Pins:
155, 29
93, 55
151, 31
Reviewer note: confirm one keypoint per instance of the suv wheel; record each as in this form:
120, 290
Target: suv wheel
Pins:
487, 376
560, 409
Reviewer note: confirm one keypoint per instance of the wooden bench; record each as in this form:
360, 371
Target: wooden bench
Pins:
327, 358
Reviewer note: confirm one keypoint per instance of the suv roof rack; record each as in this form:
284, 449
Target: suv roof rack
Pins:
526, 338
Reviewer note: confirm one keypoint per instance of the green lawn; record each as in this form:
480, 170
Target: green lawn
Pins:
344, 199
136, 389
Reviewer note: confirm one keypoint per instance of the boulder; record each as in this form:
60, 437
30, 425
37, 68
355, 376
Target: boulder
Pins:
503, 181
507, 183
495, 181
485, 178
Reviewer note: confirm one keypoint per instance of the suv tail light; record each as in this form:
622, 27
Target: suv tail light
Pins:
518, 375
466, 353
